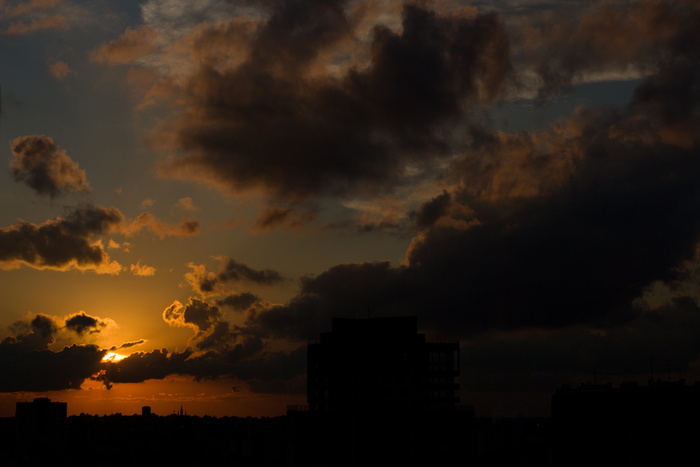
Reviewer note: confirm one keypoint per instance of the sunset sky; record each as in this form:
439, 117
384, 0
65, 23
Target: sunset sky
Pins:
193, 188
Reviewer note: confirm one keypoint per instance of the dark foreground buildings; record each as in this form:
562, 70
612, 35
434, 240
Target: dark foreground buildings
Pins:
40, 430
381, 365
598, 424
380, 394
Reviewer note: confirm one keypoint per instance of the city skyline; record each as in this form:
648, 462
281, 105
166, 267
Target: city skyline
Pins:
192, 190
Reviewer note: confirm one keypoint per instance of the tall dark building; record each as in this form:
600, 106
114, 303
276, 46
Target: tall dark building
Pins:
381, 364
40, 423
380, 394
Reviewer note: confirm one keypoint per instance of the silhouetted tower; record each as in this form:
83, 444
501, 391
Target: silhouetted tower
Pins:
378, 395
381, 364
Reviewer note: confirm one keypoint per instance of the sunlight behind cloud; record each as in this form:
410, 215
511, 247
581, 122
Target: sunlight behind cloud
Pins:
113, 357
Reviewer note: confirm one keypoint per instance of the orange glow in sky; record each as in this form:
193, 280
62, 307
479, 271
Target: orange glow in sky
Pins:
113, 357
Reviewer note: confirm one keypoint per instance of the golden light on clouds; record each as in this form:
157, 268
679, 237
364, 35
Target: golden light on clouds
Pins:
113, 357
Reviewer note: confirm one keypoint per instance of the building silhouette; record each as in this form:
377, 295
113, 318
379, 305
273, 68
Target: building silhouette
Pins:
379, 394
379, 365
602, 424
40, 423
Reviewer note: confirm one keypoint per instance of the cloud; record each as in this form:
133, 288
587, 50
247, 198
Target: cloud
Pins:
231, 272
239, 301
139, 269
361, 290
23, 8
246, 361
175, 18
127, 345
576, 252
24, 17
50, 371
337, 135
132, 45
73, 241
49, 21
146, 220
27, 364
147, 203
60, 70
32, 16
542, 360
36, 334
187, 204
550, 229
276, 216
63, 243
47, 169
275, 103
82, 324
609, 36
196, 314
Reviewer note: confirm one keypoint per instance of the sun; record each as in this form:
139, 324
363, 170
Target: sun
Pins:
113, 357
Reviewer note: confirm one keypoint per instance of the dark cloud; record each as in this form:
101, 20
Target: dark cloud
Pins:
543, 360
282, 122
609, 37
126, 345
360, 290
239, 302
231, 272
27, 364
276, 216
197, 314
45, 370
36, 334
62, 243
73, 241
141, 366
219, 348
212, 331
45, 168
429, 212
246, 361
236, 272
81, 324
560, 228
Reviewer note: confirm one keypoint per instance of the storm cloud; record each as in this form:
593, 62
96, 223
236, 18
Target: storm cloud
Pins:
277, 121
551, 229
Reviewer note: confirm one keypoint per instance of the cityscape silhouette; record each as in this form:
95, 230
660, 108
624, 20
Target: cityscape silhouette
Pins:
378, 393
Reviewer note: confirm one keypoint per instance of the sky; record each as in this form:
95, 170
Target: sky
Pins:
193, 189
